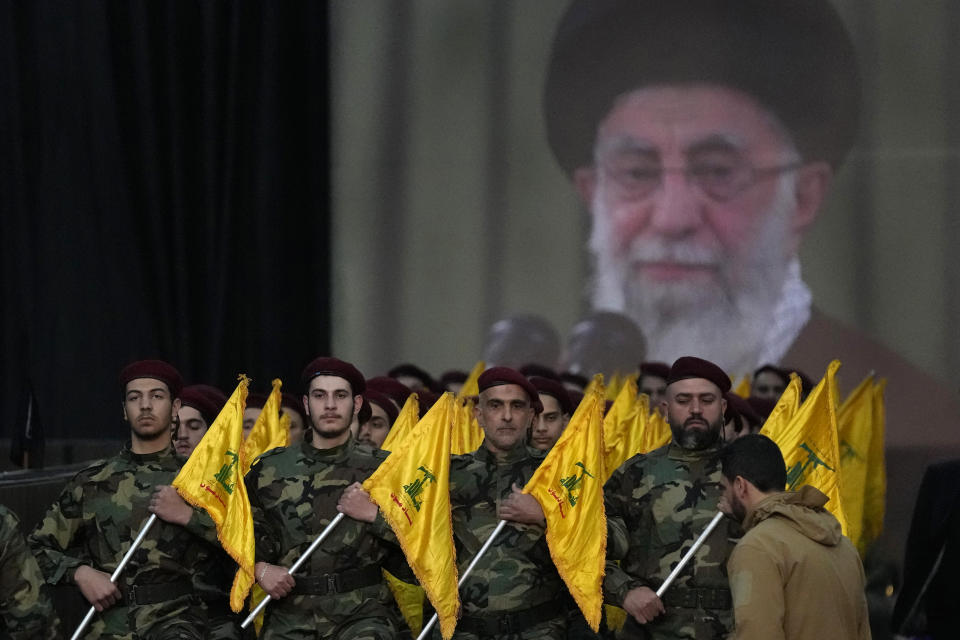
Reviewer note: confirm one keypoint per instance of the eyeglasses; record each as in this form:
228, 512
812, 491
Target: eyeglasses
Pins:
720, 179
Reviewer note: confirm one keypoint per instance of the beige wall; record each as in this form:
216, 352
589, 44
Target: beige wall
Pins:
449, 211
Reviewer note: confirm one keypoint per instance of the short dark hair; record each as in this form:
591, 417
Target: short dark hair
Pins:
756, 458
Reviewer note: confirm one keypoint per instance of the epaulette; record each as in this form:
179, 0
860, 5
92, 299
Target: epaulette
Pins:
268, 452
92, 468
380, 454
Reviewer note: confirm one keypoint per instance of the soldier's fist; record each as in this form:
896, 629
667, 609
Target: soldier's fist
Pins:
96, 587
520, 507
356, 503
169, 506
275, 580
643, 604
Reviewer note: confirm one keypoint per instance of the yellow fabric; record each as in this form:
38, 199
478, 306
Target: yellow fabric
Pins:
409, 599
569, 487
656, 433
211, 479
810, 443
743, 387
786, 408
471, 387
467, 435
616, 383
620, 431
875, 491
408, 417
856, 422
412, 489
271, 430
616, 617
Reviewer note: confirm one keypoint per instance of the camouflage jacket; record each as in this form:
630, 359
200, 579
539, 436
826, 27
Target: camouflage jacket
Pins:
657, 505
293, 494
26, 612
96, 518
516, 573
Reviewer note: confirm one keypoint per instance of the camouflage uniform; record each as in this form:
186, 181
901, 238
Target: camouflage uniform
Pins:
26, 612
514, 592
340, 591
94, 521
657, 505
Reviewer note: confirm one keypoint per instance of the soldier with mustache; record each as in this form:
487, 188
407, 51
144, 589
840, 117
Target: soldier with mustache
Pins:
658, 504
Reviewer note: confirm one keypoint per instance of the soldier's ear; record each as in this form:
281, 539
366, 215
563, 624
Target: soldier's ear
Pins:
123, 408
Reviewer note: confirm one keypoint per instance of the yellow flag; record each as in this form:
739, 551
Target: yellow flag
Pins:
569, 486
655, 434
786, 408
810, 444
471, 386
875, 493
466, 434
271, 430
408, 417
412, 489
743, 387
616, 383
619, 435
855, 420
211, 479
409, 599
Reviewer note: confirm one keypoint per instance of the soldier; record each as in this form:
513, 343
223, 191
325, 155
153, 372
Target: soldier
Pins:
26, 612
514, 592
87, 531
658, 504
295, 492
550, 423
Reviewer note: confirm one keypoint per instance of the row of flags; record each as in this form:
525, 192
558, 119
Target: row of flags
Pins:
836, 448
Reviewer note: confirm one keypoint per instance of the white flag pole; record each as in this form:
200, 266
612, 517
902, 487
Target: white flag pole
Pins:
696, 545
116, 573
296, 565
463, 577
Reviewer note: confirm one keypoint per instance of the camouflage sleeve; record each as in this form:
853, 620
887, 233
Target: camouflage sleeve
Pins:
382, 530
264, 537
616, 581
56, 541
25, 609
203, 526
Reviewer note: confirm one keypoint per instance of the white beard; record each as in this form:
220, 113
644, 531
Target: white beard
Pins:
723, 322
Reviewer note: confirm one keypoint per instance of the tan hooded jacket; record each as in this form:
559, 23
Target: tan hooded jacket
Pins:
794, 576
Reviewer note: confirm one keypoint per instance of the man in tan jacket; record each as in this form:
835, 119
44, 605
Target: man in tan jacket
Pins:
793, 575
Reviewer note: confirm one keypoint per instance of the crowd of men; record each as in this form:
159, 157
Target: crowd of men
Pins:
176, 584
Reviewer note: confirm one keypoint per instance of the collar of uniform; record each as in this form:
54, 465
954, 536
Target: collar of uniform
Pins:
676, 452
334, 454
142, 458
514, 455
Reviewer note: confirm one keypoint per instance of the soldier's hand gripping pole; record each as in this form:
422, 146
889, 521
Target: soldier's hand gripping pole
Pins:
463, 576
296, 565
696, 545
116, 573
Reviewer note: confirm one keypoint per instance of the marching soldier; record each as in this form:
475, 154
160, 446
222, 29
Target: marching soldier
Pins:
295, 492
87, 531
658, 504
26, 612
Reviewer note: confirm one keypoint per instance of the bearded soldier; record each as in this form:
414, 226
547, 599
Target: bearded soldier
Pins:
658, 504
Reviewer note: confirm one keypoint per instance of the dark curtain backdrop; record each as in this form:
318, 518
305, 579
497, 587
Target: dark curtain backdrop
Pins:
163, 193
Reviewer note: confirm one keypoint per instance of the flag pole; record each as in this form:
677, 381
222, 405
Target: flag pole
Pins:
696, 545
116, 573
463, 576
296, 565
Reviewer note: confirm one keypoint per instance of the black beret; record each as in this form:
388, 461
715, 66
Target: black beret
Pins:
324, 366
384, 402
553, 388
203, 400
156, 370
657, 369
496, 376
794, 57
692, 367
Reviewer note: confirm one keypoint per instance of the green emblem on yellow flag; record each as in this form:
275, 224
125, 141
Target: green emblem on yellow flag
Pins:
226, 472
572, 483
415, 488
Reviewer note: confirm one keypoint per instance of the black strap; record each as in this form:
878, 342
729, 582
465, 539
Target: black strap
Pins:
698, 598
501, 622
336, 582
141, 594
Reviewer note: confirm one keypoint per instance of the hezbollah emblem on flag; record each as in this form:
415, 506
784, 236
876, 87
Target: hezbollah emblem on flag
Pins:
797, 474
573, 483
413, 492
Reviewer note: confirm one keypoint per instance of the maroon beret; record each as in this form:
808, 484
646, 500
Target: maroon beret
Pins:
575, 399
553, 388
496, 376
657, 369
256, 400
413, 371
427, 400
293, 403
533, 369
324, 366
212, 392
737, 406
763, 407
156, 370
693, 367
365, 412
200, 398
382, 401
390, 387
